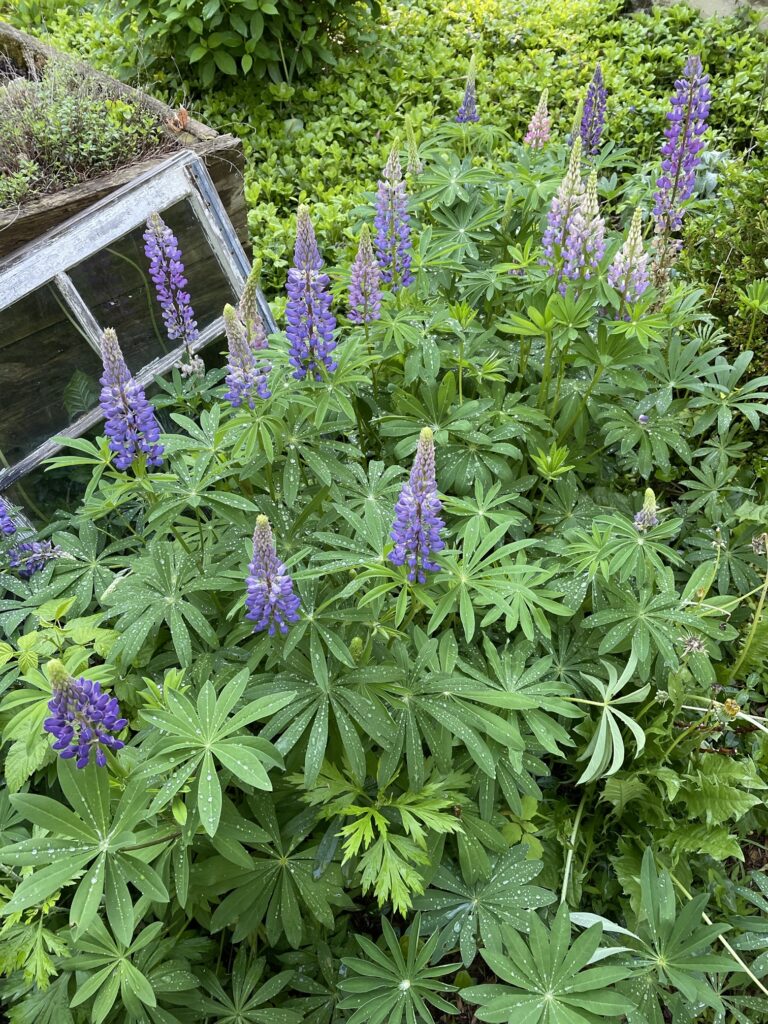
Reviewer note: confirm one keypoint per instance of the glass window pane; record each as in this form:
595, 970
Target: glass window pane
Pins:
49, 374
115, 285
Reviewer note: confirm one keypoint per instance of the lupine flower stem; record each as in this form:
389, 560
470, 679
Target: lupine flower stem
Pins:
417, 526
167, 271
392, 222
311, 324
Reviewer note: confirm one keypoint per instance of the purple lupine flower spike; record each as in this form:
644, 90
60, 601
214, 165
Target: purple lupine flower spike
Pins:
308, 311
628, 273
82, 719
364, 284
131, 425
539, 127
393, 228
7, 525
417, 526
167, 272
270, 600
647, 517
468, 109
31, 556
593, 117
584, 244
565, 207
680, 152
246, 374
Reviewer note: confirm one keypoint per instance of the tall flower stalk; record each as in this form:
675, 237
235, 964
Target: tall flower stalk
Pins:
468, 109
584, 244
417, 526
166, 269
246, 374
540, 124
311, 324
593, 116
393, 228
365, 283
270, 602
130, 422
562, 223
680, 152
83, 719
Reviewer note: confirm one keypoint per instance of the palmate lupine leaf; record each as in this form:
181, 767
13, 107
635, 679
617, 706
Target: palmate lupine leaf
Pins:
392, 987
466, 913
606, 747
548, 980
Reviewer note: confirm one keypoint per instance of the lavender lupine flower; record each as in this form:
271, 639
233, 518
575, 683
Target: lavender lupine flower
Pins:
565, 207
584, 244
647, 517
393, 229
167, 272
468, 109
131, 425
680, 152
246, 374
7, 525
31, 556
271, 602
540, 124
628, 273
364, 284
83, 719
417, 526
593, 116
308, 312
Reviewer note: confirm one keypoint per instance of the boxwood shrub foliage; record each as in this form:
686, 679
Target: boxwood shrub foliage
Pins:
528, 783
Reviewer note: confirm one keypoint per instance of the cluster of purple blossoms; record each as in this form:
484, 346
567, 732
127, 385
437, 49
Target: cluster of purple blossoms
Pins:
628, 273
647, 517
131, 425
83, 719
365, 283
584, 243
31, 556
417, 526
540, 124
270, 600
7, 525
167, 272
468, 109
593, 116
246, 372
393, 227
680, 152
308, 311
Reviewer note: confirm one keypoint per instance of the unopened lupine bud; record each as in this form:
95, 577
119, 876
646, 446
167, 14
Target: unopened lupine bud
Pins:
647, 517
539, 127
417, 527
415, 164
468, 109
271, 603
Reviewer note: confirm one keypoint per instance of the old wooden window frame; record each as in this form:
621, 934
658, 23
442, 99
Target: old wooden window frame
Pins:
47, 260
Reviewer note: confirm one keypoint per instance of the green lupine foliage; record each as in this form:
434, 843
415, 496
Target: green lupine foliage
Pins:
530, 787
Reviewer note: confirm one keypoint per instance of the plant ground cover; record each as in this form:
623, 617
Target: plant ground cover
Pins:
323, 139
411, 666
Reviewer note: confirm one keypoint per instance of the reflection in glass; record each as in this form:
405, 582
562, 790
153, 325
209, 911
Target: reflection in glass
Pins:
115, 285
49, 374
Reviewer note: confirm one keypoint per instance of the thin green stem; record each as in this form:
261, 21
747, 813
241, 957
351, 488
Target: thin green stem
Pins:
724, 942
751, 636
547, 372
461, 370
572, 847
